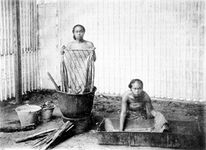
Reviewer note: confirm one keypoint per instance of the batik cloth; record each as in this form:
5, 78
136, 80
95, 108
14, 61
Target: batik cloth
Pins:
77, 71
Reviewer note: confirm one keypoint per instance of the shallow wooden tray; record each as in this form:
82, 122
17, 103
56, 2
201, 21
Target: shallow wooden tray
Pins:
183, 134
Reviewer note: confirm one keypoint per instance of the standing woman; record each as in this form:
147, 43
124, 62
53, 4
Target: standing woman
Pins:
77, 65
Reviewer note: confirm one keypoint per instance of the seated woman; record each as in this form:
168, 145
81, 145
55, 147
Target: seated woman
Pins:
136, 103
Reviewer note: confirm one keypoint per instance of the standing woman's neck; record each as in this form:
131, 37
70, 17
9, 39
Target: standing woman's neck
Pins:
80, 40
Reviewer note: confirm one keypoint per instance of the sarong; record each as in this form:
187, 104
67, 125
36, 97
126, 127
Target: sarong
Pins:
77, 71
157, 124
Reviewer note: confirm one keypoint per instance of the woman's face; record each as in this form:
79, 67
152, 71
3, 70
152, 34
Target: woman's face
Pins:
78, 33
136, 89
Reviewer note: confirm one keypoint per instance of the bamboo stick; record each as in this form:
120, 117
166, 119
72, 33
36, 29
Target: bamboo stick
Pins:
39, 141
34, 136
58, 134
52, 79
43, 140
18, 128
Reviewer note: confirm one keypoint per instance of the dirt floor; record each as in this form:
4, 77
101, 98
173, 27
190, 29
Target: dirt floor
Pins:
104, 106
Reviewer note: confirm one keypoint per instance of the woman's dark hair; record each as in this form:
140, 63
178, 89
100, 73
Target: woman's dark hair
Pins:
78, 25
135, 80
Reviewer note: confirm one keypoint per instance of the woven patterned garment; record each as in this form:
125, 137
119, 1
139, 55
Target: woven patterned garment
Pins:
159, 119
77, 71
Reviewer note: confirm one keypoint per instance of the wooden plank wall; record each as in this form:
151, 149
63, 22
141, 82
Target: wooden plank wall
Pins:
7, 87
29, 43
158, 41
29, 51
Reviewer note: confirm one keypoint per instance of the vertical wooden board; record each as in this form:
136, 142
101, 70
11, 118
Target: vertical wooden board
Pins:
31, 45
204, 62
22, 33
18, 77
14, 43
4, 47
7, 48
10, 51
1, 30
27, 48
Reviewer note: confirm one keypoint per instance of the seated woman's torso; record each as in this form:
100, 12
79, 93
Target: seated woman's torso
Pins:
136, 103
136, 107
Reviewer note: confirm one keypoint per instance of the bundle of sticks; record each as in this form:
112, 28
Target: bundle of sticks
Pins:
48, 137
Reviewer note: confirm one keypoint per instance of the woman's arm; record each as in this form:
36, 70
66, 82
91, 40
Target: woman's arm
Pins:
149, 107
67, 47
123, 112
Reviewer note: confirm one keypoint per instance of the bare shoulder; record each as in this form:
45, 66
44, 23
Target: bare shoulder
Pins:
146, 96
90, 45
126, 95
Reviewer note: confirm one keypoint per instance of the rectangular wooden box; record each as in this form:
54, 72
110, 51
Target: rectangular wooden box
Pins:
183, 134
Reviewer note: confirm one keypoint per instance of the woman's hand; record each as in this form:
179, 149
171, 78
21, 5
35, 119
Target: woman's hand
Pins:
94, 55
62, 50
